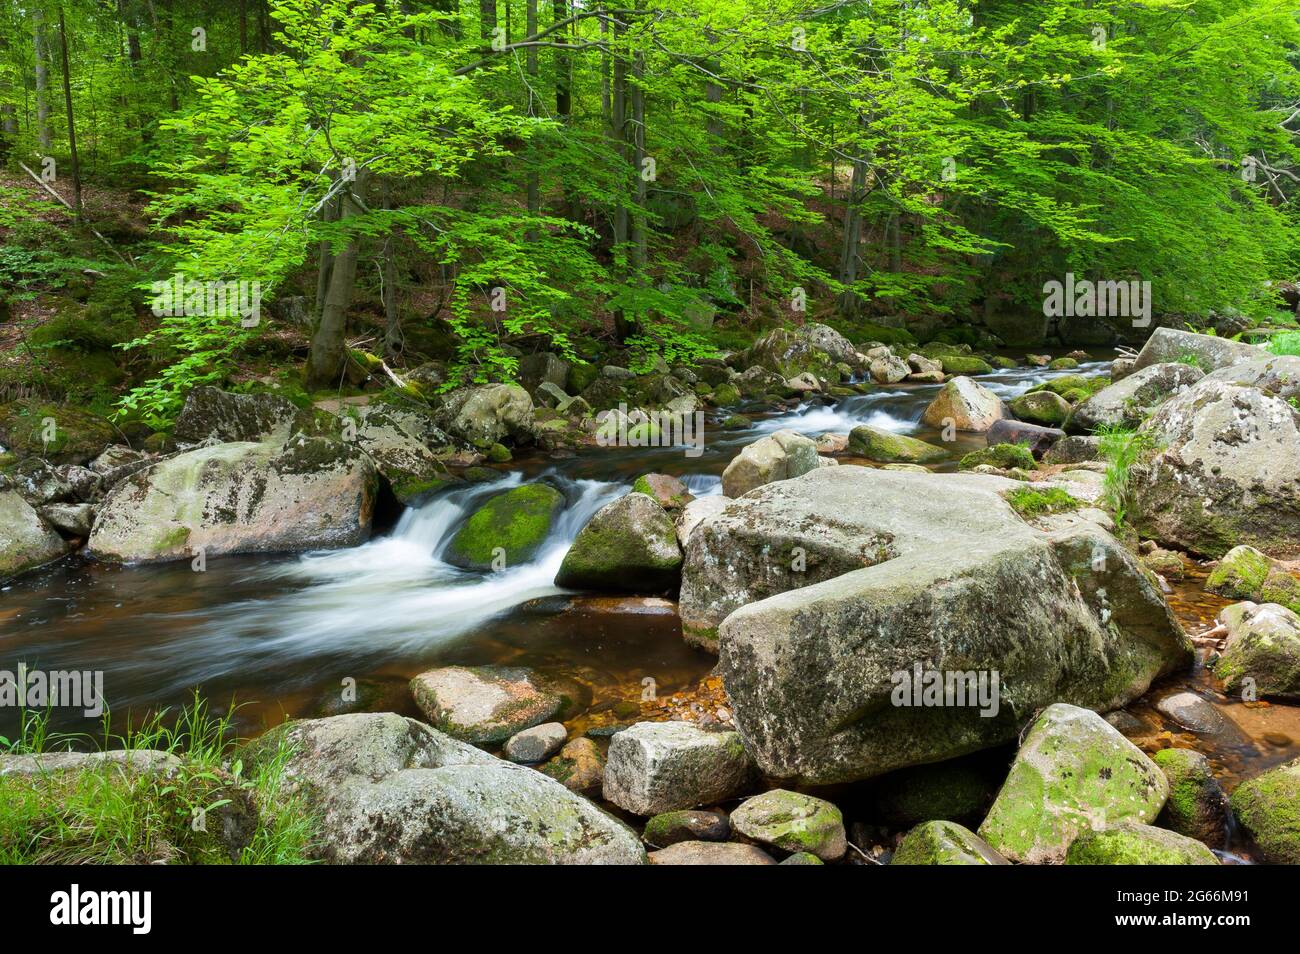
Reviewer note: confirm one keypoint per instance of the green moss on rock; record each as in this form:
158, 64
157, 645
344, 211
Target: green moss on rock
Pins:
510, 526
1137, 845
888, 448
1002, 456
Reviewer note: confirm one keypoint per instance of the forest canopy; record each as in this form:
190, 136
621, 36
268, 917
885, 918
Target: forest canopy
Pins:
439, 178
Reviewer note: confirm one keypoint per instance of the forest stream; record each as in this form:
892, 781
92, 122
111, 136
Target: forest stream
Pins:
281, 635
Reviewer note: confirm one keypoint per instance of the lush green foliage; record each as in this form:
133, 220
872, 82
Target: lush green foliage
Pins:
105, 815
563, 174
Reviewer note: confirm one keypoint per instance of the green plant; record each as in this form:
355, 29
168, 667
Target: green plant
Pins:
1033, 503
107, 814
1288, 342
1120, 447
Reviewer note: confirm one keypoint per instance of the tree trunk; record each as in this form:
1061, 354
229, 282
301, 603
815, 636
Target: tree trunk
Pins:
852, 238
42, 81
487, 18
623, 329
326, 360
72, 126
530, 67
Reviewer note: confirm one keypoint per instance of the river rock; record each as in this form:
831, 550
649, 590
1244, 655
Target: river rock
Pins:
536, 744
889, 448
1130, 844
629, 545
813, 672
131, 761
543, 368
1073, 450
665, 490
400, 443
657, 767
26, 541
1246, 573
211, 414
1121, 368
579, 767
507, 530
1128, 402
945, 843
1191, 712
1262, 651
1226, 472
695, 512
1207, 352
710, 853
1037, 438
488, 414
1278, 375
888, 369
805, 383
791, 351
73, 519
388, 790
965, 406
792, 822
1073, 773
686, 825
1197, 806
1041, 407
780, 456
312, 493
484, 703
1265, 807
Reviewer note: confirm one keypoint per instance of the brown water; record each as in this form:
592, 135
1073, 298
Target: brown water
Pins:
281, 634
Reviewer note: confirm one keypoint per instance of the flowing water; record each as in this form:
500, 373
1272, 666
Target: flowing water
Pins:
281, 634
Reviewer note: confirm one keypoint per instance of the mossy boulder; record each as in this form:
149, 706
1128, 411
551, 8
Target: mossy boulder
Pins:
1129, 401
212, 414
1001, 456
309, 494
1197, 806
657, 767
1268, 808
1248, 574
26, 541
1074, 773
59, 433
669, 492
945, 843
792, 822
964, 364
630, 546
1262, 651
725, 395
1071, 382
508, 529
1064, 364
889, 448
685, 824
1131, 844
1041, 407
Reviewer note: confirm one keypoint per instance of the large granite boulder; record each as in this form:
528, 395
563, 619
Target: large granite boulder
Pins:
1265, 807
1128, 402
886, 447
945, 578
1262, 651
401, 443
792, 351
1226, 471
389, 790
312, 493
26, 540
212, 414
1278, 375
1207, 352
488, 414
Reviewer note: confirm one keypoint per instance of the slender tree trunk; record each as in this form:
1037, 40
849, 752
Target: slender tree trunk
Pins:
852, 237
639, 239
72, 126
394, 341
325, 260
8, 111
326, 359
623, 329
487, 18
43, 138
530, 67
